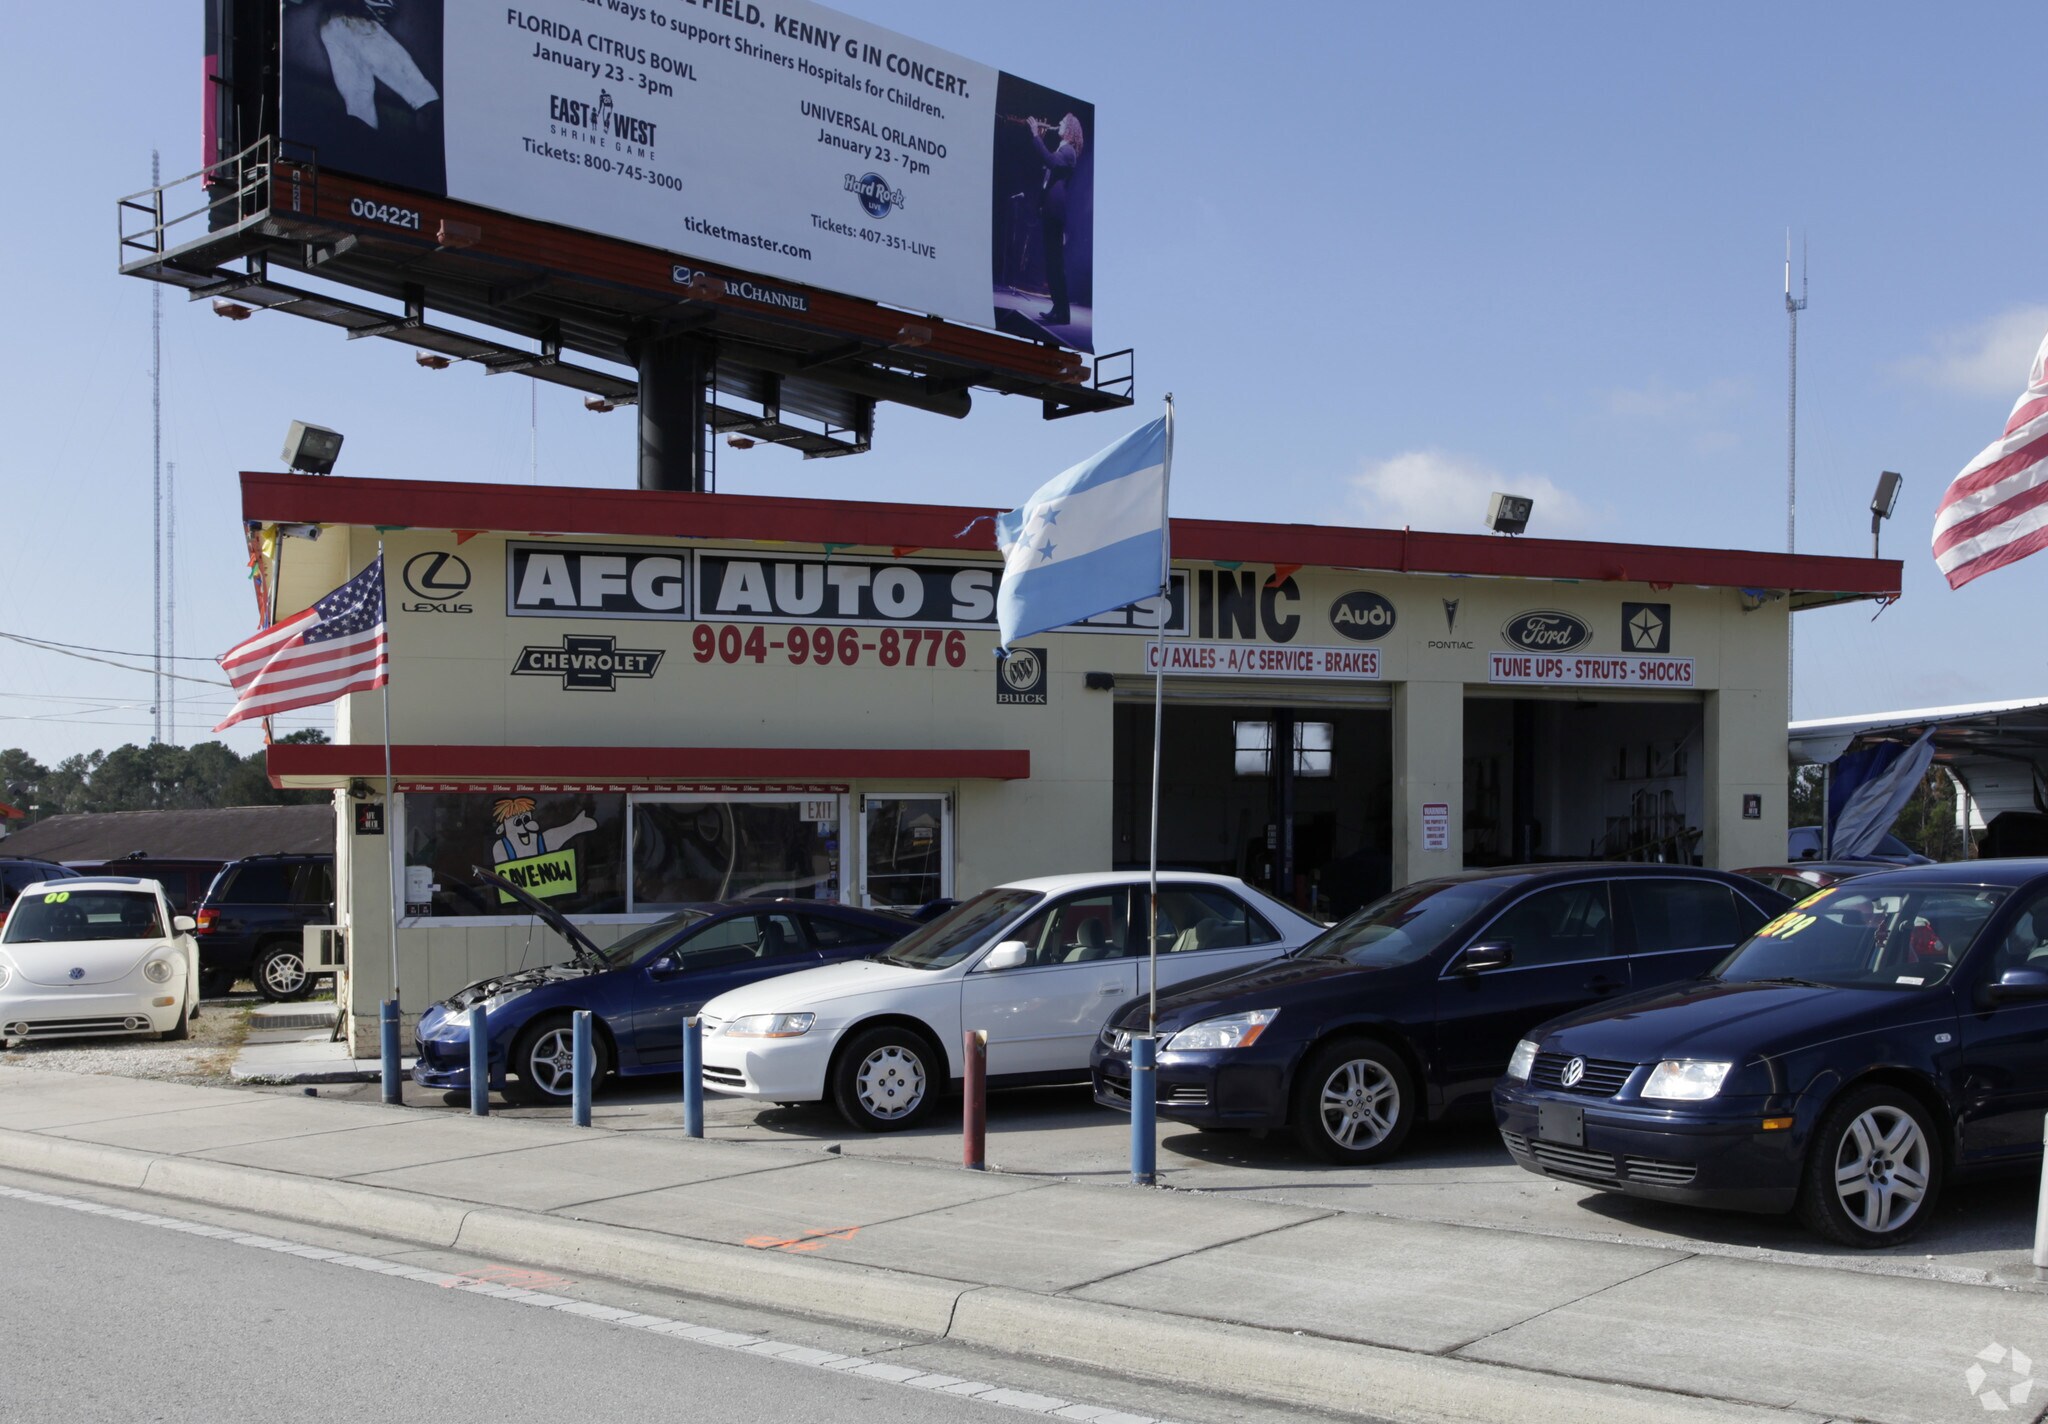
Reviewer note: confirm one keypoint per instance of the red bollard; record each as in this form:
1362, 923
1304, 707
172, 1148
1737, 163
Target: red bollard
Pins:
974, 1106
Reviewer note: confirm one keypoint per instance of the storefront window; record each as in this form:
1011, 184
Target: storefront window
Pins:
1313, 745
568, 849
687, 850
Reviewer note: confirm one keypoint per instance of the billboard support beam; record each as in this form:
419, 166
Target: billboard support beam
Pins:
674, 372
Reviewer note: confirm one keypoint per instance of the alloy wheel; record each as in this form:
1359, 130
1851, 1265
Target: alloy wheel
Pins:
285, 974
1361, 1102
551, 1063
1882, 1168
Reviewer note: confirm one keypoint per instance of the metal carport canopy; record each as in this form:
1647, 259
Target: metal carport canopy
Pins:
1998, 750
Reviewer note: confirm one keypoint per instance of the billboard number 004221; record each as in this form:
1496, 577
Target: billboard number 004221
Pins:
894, 646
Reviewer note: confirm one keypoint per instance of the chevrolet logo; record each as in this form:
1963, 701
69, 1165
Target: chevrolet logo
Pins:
587, 663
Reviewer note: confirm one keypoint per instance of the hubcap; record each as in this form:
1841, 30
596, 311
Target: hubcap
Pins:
1882, 1165
1361, 1104
552, 1064
284, 973
891, 1082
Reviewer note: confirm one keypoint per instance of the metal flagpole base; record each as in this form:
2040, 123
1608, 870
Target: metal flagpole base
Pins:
387, 1038
1144, 1112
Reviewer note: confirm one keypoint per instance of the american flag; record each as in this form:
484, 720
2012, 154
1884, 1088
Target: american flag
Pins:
1996, 511
333, 648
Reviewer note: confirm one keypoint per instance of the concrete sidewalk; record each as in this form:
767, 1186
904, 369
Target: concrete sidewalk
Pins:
1282, 1302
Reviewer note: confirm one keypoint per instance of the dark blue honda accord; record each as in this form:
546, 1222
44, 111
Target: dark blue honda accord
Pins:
638, 991
1883, 1036
1410, 1008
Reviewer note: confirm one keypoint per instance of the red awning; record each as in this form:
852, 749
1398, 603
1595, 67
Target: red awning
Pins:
310, 765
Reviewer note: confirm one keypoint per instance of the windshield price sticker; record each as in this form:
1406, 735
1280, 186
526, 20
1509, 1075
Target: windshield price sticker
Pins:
1787, 925
821, 647
1590, 671
56, 897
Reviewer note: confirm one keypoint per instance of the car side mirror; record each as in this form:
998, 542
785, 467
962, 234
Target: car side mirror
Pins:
664, 966
1010, 954
1478, 958
183, 924
2016, 985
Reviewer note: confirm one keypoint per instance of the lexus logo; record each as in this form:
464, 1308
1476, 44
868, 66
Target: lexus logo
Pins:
436, 579
1573, 1071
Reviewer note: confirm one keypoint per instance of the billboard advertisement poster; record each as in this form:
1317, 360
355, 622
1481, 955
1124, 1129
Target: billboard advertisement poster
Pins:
780, 138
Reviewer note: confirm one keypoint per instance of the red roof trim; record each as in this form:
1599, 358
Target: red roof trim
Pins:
12, 813
308, 499
338, 764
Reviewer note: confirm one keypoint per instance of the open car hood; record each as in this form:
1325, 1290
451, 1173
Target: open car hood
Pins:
518, 981
580, 944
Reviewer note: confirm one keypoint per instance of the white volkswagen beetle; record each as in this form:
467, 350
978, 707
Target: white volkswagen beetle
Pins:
1040, 964
96, 955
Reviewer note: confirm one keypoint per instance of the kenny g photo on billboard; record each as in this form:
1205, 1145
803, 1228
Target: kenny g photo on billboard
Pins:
1043, 223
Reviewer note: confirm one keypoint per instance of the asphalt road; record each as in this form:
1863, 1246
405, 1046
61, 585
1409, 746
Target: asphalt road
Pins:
106, 1319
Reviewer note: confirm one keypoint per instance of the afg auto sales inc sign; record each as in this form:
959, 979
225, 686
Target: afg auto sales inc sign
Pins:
1545, 647
778, 138
608, 581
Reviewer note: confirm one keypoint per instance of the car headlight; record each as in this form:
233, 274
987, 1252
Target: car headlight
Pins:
1523, 1061
1686, 1079
1229, 1031
157, 971
770, 1026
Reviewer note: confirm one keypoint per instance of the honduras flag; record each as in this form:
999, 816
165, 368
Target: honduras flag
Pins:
1090, 540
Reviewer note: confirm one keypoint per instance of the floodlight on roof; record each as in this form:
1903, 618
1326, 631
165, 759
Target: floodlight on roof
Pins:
1509, 513
311, 449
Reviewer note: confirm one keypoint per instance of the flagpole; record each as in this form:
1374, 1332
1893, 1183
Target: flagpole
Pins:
388, 1019
1145, 1046
1159, 716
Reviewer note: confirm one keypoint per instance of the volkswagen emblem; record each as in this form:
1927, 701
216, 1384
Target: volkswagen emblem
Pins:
1573, 1071
78, 974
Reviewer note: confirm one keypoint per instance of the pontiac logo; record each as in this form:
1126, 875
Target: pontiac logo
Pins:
1546, 631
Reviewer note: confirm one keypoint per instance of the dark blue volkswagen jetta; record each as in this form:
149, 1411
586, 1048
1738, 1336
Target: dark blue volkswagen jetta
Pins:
638, 991
1411, 1007
1882, 1036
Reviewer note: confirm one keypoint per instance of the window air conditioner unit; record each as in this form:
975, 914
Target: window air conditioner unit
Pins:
325, 948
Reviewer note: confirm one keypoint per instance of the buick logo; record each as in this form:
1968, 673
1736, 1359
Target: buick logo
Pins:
1362, 615
1022, 670
436, 576
1573, 1071
1546, 631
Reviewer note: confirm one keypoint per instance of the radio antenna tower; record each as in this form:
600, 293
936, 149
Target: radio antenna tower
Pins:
171, 595
1793, 306
156, 409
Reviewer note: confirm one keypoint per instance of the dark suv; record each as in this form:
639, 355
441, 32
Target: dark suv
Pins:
18, 872
184, 878
251, 918
1411, 1008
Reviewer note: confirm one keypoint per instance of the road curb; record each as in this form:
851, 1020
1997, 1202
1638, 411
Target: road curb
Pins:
1191, 1352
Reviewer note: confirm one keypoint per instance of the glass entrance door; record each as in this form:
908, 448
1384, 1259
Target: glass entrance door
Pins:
906, 850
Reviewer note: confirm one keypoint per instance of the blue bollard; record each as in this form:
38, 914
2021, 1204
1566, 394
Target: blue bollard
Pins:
693, 1076
387, 1037
1144, 1112
480, 1061
580, 1067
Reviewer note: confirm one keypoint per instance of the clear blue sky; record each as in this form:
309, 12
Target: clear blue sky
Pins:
1387, 258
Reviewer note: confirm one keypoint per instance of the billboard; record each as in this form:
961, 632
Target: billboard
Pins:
784, 139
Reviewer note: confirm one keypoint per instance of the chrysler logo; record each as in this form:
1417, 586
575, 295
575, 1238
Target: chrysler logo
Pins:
1573, 1071
1546, 631
1646, 627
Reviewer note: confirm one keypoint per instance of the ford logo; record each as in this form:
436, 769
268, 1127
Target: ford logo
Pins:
1546, 631
1362, 615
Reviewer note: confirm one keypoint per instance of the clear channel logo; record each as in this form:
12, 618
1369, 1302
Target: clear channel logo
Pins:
877, 198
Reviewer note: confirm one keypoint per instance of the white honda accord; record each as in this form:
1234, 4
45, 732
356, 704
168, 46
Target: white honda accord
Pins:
99, 955
1039, 964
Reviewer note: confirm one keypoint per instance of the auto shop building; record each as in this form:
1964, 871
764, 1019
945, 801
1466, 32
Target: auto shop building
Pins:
628, 700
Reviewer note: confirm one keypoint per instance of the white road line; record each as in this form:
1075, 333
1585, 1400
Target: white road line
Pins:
880, 1371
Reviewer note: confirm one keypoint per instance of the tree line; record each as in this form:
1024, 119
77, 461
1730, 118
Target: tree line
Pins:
159, 777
